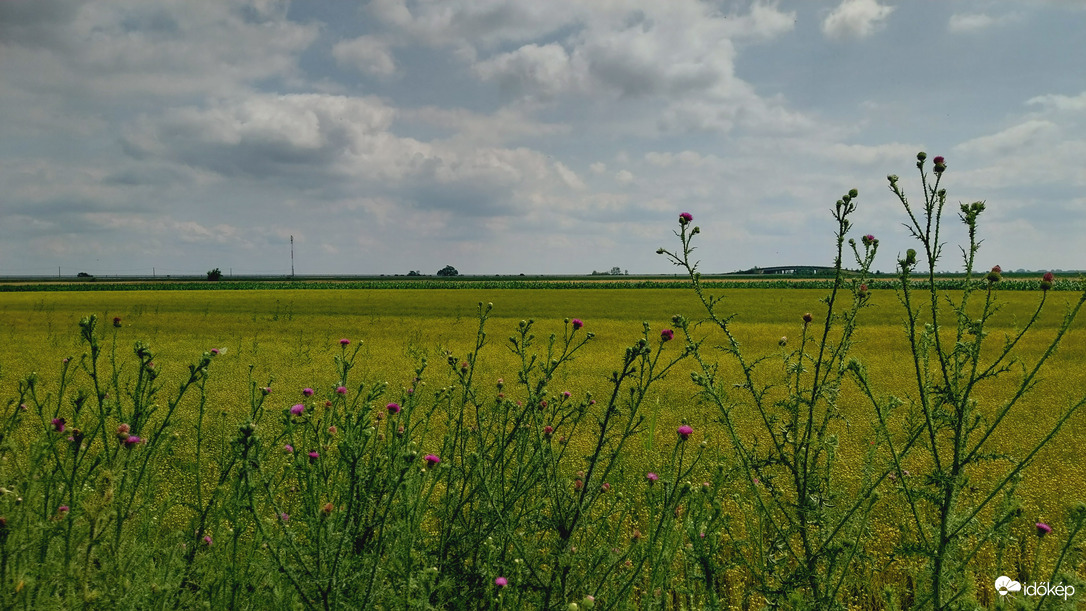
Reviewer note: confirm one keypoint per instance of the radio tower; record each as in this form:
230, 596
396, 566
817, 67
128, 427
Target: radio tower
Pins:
291, 256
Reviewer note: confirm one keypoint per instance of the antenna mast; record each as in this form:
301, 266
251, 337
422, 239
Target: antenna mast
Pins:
291, 256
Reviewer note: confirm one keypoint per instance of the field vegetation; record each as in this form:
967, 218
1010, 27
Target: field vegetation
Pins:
840, 446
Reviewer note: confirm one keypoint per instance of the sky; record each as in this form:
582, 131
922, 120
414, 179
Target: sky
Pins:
528, 136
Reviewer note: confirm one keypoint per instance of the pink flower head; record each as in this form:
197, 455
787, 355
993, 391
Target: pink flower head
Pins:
939, 160
1048, 277
58, 425
868, 240
341, 390
332, 430
297, 410
577, 323
307, 392
685, 218
63, 509
652, 477
215, 352
667, 335
566, 394
265, 390
208, 541
685, 431
548, 431
501, 582
344, 342
1043, 529
132, 440
288, 449
432, 460
284, 517
314, 455
997, 269
123, 431
393, 408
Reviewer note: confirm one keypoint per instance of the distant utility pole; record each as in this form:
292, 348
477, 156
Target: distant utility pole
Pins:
291, 256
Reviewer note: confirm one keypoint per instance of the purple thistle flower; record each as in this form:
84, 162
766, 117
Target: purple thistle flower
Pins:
341, 390
432, 460
307, 392
393, 408
667, 335
58, 424
1043, 529
297, 410
215, 352
314, 455
501, 582
132, 440
288, 449
577, 323
685, 218
652, 477
344, 341
208, 541
285, 517
685, 431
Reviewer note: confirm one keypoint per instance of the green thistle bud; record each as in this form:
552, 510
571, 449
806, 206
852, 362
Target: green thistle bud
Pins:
853, 193
921, 156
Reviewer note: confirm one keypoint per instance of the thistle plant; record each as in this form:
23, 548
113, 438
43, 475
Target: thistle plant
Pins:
804, 527
967, 389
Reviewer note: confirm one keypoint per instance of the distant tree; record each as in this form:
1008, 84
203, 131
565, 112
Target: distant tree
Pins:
616, 271
214, 274
414, 273
83, 275
448, 270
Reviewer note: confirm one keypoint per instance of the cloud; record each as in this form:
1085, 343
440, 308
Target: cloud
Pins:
1060, 102
1009, 140
367, 54
855, 19
98, 50
330, 146
975, 22
532, 71
678, 58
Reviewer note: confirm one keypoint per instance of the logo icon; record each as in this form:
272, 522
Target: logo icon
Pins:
1005, 585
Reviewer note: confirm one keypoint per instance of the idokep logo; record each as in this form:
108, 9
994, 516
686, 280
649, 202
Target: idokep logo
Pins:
1005, 585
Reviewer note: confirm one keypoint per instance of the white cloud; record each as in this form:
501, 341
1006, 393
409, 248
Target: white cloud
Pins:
975, 22
855, 19
531, 71
368, 54
1060, 102
1009, 140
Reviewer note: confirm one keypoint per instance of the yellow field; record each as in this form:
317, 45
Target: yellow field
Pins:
289, 337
